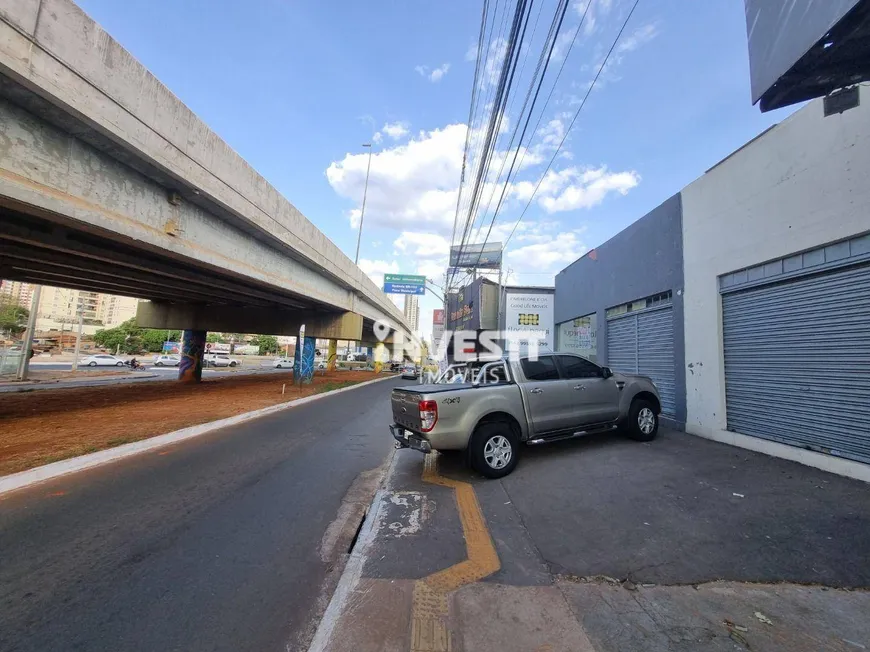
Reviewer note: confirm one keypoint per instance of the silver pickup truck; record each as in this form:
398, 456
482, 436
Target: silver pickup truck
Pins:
491, 408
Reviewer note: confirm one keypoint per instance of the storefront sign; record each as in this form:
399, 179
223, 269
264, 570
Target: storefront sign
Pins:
529, 314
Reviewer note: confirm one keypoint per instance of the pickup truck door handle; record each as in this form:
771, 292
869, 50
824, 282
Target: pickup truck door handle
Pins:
580, 387
536, 390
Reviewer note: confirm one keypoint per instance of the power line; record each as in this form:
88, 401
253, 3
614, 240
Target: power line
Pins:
470, 112
573, 120
517, 33
555, 34
491, 87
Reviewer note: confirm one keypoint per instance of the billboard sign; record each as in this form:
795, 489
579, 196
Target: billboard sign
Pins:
788, 59
476, 256
171, 348
529, 314
404, 284
437, 326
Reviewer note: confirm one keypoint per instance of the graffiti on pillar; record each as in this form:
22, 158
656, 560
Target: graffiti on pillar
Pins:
192, 347
303, 365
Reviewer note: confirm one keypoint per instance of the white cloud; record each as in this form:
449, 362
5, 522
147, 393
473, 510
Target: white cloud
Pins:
548, 252
422, 245
494, 61
640, 36
413, 185
597, 9
439, 72
375, 269
434, 74
377, 138
574, 187
395, 130
471, 53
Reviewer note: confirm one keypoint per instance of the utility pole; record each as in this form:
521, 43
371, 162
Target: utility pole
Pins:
24, 363
75, 364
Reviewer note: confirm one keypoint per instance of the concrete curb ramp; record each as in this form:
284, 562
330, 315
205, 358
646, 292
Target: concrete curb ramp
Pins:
30, 477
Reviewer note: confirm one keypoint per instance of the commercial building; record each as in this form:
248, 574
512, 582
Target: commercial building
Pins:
747, 296
777, 291
621, 305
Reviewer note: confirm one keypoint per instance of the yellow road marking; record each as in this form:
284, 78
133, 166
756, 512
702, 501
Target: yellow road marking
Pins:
429, 610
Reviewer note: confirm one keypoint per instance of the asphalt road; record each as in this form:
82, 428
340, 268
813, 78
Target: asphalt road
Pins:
213, 544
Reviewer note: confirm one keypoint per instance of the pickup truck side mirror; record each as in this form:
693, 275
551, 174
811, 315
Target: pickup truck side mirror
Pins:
606, 372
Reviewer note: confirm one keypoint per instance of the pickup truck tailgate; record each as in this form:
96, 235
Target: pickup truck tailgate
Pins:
406, 409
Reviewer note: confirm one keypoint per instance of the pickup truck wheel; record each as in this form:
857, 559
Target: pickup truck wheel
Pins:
493, 450
643, 422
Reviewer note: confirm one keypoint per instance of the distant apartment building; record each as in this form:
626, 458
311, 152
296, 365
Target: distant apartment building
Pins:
59, 310
412, 311
16, 292
114, 311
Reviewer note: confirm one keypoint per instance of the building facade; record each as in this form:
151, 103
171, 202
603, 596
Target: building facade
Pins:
777, 292
746, 297
621, 305
114, 310
59, 310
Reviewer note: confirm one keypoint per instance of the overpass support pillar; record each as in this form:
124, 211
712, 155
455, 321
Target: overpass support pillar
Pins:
303, 363
332, 355
192, 350
380, 356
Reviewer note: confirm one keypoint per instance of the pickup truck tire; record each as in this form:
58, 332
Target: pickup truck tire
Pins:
643, 422
493, 449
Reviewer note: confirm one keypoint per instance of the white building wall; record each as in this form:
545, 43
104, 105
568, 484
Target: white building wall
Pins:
801, 184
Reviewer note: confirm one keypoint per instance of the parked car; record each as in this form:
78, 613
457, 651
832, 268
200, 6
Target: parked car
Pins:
167, 360
220, 360
409, 372
283, 363
498, 405
102, 360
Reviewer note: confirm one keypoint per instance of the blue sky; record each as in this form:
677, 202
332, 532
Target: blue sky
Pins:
296, 88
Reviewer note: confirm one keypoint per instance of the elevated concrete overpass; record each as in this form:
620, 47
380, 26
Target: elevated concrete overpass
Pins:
109, 183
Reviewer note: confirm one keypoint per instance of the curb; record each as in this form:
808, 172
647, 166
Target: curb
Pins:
353, 568
28, 385
30, 477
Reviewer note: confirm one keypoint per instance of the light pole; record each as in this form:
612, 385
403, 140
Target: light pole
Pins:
362, 213
75, 364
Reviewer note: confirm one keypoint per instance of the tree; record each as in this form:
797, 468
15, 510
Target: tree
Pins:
13, 318
213, 338
129, 338
268, 344
153, 339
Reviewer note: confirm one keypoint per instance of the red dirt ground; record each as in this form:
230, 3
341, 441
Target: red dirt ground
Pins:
48, 425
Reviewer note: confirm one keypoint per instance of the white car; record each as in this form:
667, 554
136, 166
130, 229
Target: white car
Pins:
220, 360
167, 360
283, 363
102, 360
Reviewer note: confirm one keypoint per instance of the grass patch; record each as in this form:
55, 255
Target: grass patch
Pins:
331, 386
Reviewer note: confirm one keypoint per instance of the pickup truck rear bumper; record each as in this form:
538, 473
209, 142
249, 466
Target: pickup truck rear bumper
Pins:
407, 439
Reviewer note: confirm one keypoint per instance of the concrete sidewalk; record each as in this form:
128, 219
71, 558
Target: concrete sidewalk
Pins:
610, 545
